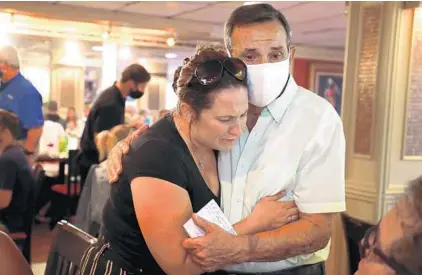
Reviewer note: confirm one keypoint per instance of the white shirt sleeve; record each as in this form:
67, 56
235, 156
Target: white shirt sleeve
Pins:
320, 181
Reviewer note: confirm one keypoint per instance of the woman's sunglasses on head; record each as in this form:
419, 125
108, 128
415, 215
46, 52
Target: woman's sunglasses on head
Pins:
210, 72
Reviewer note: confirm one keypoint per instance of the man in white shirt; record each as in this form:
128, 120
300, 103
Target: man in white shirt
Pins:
294, 142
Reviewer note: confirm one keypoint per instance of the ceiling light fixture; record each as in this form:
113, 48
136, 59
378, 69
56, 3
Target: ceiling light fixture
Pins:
170, 55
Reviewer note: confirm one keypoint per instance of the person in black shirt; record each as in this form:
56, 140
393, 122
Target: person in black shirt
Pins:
108, 111
171, 172
16, 181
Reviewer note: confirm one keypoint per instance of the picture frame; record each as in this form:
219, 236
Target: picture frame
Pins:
326, 80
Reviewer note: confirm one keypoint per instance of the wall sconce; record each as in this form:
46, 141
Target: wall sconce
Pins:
106, 35
171, 41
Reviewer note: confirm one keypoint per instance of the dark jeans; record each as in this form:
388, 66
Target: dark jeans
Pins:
315, 269
45, 193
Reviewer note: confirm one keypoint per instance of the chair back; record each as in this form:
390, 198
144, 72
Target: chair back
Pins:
73, 178
11, 259
68, 246
355, 230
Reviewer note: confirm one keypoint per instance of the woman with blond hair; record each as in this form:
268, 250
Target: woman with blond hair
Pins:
96, 188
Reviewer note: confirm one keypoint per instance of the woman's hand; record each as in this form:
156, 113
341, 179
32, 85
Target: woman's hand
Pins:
270, 213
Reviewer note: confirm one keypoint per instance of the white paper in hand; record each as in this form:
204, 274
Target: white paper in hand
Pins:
212, 213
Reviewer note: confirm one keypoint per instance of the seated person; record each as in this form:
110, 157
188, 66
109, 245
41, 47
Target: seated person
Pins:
96, 189
16, 181
163, 113
394, 246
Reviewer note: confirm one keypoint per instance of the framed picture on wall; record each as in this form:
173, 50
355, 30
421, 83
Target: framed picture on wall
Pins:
326, 79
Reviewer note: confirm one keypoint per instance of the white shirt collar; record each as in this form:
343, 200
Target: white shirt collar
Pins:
278, 107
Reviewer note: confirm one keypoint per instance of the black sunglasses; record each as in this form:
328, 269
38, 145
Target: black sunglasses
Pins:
210, 72
369, 244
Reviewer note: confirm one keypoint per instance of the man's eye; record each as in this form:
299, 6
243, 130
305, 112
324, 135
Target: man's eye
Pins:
249, 57
276, 57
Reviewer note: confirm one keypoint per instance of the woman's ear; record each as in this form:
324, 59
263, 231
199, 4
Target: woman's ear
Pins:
186, 112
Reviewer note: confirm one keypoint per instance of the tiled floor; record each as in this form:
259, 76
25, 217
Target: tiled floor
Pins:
40, 248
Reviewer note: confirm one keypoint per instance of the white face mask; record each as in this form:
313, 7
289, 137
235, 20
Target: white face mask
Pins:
266, 81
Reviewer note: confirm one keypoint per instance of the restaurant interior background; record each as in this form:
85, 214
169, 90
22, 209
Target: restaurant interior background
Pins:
370, 50
72, 50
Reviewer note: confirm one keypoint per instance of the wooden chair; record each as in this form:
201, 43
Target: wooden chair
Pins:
12, 262
68, 246
66, 194
355, 230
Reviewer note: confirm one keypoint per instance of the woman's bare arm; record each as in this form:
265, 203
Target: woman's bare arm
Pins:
162, 208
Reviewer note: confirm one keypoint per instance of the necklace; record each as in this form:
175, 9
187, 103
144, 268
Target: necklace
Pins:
201, 164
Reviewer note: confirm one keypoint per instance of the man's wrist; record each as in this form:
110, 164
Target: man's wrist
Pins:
244, 245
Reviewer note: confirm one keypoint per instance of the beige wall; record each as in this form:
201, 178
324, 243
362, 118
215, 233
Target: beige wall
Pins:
375, 109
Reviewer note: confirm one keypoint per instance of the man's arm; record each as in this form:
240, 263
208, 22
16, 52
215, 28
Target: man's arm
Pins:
321, 168
32, 139
308, 235
32, 119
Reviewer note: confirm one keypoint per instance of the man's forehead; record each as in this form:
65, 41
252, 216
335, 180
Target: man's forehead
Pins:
266, 32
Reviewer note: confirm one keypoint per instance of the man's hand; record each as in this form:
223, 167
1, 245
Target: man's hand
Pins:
114, 160
213, 251
270, 213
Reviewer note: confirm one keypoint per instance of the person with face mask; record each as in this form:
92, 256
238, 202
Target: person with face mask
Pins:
19, 96
109, 111
294, 141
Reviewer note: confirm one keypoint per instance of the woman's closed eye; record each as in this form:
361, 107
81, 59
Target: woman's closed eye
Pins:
224, 118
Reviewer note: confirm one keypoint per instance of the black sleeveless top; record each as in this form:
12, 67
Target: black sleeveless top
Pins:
160, 153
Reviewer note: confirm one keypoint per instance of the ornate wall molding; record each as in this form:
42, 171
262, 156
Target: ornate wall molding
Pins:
361, 192
370, 33
412, 141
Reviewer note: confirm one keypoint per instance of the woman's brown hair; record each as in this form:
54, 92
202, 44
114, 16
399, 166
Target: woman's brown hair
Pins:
188, 88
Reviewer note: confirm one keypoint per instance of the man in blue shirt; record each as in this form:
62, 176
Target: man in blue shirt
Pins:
20, 97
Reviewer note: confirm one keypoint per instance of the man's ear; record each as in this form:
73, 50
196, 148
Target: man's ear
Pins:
292, 54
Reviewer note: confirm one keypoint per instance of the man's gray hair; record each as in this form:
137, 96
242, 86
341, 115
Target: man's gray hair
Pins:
255, 13
10, 56
412, 210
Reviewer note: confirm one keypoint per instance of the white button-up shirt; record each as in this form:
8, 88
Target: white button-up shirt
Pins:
297, 145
